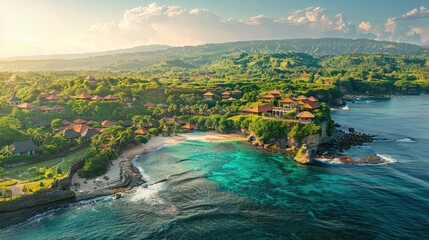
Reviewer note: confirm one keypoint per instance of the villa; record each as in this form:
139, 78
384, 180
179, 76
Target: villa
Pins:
226, 95
26, 147
305, 117
208, 95
84, 96
13, 101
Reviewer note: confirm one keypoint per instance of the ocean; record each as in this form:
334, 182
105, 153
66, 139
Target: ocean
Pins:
229, 190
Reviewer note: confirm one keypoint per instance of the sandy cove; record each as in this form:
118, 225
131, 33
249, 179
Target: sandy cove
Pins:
87, 188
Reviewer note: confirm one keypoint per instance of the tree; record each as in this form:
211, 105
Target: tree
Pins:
56, 123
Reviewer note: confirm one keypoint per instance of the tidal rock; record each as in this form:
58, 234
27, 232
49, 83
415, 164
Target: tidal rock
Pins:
304, 155
346, 159
373, 159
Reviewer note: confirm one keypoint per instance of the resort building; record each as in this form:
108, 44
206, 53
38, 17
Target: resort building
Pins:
308, 105
52, 98
26, 147
149, 104
13, 101
107, 123
236, 92
190, 127
80, 121
305, 117
208, 95
313, 99
27, 106
274, 94
226, 95
84, 96
111, 98
141, 131
97, 98
258, 110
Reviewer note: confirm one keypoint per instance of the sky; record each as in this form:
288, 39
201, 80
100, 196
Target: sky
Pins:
30, 27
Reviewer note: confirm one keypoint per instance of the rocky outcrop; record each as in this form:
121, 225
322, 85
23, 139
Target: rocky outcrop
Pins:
305, 155
345, 140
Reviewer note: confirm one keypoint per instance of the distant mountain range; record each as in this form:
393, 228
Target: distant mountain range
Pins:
92, 54
195, 56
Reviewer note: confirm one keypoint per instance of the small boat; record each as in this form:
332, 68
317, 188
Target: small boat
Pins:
345, 107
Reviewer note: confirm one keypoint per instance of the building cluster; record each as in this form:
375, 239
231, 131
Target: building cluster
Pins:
232, 96
301, 106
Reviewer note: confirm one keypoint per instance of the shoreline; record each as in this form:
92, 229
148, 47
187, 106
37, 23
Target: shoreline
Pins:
123, 175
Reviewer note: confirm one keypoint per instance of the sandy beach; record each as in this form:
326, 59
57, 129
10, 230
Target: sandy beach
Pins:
82, 186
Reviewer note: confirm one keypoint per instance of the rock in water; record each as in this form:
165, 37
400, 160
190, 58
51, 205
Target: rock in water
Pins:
304, 155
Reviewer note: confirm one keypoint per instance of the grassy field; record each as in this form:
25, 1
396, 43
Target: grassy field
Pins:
21, 172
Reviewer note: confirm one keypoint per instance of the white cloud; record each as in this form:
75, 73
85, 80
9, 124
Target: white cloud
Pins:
176, 26
423, 33
365, 26
421, 12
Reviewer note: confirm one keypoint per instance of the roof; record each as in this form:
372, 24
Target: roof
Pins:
45, 108
26, 106
208, 94
106, 123
97, 98
313, 99
13, 99
275, 92
302, 97
307, 104
58, 107
261, 109
305, 114
150, 104
141, 131
110, 97
52, 97
66, 123
84, 95
232, 99
268, 96
27, 145
246, 109
54, 92
43, 94
80, 128
190, 126
70, 133
80, 121
226, 93
89, 133
236, 91
287, 100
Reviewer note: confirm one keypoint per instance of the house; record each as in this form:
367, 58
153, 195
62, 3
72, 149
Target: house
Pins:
149, 104
305, 117
13, 101
226, 95
287, 103
43, 95
54, 92
307, 104
26, 106
317, 75
89, 133
65, 123
97, 98
26, 147
272, 95
90, 79
58, 108
232, 99
302, 97
141, 131
313, 99
219, 88
52, 98
190, 127
276, 94
111, 98
208, 95
45, 109
262, 109
80, 121
84, 96
107, 123
246, 110
70, 133
236, 92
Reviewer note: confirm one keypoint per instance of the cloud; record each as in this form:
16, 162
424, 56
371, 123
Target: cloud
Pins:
365, 26
176, 26
421, 12
422, 33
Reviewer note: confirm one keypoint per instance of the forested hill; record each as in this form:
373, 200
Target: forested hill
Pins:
196, 56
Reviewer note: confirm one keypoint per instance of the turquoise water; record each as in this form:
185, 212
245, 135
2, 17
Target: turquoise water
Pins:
229, 190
